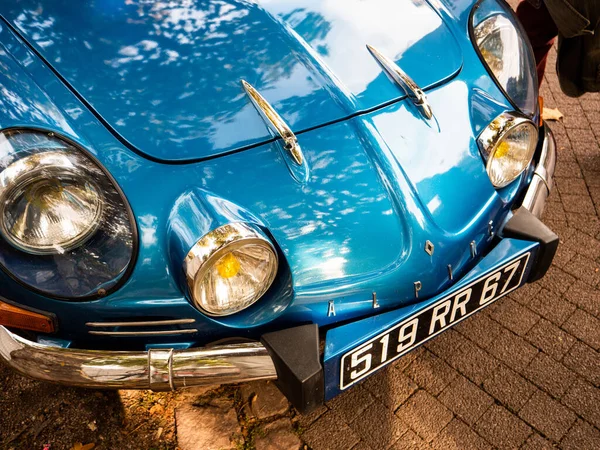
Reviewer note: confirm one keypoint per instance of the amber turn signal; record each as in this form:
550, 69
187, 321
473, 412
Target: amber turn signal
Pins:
14, 317
541, 102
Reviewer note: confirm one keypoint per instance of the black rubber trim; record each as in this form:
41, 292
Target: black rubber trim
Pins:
524, 225
295, 354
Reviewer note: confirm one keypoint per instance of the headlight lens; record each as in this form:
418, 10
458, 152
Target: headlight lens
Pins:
65, 229
230, 268
508, 145
507, 54
47, 206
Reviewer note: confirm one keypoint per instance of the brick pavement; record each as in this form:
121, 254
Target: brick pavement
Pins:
524, 373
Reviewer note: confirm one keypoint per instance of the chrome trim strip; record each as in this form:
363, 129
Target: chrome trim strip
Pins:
406, 83
155, 369
542, 183
143, 333
150, 323
275, 123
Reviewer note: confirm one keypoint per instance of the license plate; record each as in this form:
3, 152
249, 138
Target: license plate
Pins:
388, 346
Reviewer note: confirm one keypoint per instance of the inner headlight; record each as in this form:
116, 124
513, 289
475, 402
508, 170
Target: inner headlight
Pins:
506, 52
507, 146
230, 268
65, 228
49, 203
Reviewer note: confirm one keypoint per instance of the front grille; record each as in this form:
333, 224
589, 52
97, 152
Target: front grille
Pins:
137, 327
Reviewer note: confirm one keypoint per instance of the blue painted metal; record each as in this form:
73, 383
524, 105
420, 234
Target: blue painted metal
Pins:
166, 75
344, 338
381, 182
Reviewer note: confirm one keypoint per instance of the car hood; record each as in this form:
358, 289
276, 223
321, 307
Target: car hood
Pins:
165, 76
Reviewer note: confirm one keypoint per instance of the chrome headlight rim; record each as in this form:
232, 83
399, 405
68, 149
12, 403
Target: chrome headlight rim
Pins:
494, 134
126, 273
207, 251
507, 13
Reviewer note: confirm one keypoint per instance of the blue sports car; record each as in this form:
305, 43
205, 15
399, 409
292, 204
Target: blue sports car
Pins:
215, 191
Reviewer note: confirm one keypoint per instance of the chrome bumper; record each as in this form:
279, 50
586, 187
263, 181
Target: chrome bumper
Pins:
154, 369
541, 183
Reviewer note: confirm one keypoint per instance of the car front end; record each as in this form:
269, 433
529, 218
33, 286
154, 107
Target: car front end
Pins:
282, 196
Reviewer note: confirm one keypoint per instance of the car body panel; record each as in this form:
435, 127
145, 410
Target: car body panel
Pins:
166, 76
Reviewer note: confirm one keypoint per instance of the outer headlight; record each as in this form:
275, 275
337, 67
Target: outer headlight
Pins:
230, 268
65, 229
507, 145
50, 202
505, 50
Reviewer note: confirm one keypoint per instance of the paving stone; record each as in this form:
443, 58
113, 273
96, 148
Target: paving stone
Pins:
526, 294
306, 420
583, 244
431, 373
361, 446
350, 404
378, 427
458, 436
586, 223
465, 399
563, 254
547, 416
513, 350
513, 316
550, 339
278, 435
585, 361
264, 399
571, 186
406, 360
479, 328
567, 169
391, 387
537, 442
552, 306
585, 296
549, 375
585, 269
424, 414
210, 427
509, 388
557, 280
473, 362
583, 398
446, 344
585, 327
502, 428
581, 436
330, 432
410, 441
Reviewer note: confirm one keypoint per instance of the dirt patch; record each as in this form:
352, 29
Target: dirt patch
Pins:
33, 414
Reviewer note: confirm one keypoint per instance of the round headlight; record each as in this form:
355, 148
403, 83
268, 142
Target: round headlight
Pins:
47, 204
508, 145
66, 230
230, 268
505, 50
